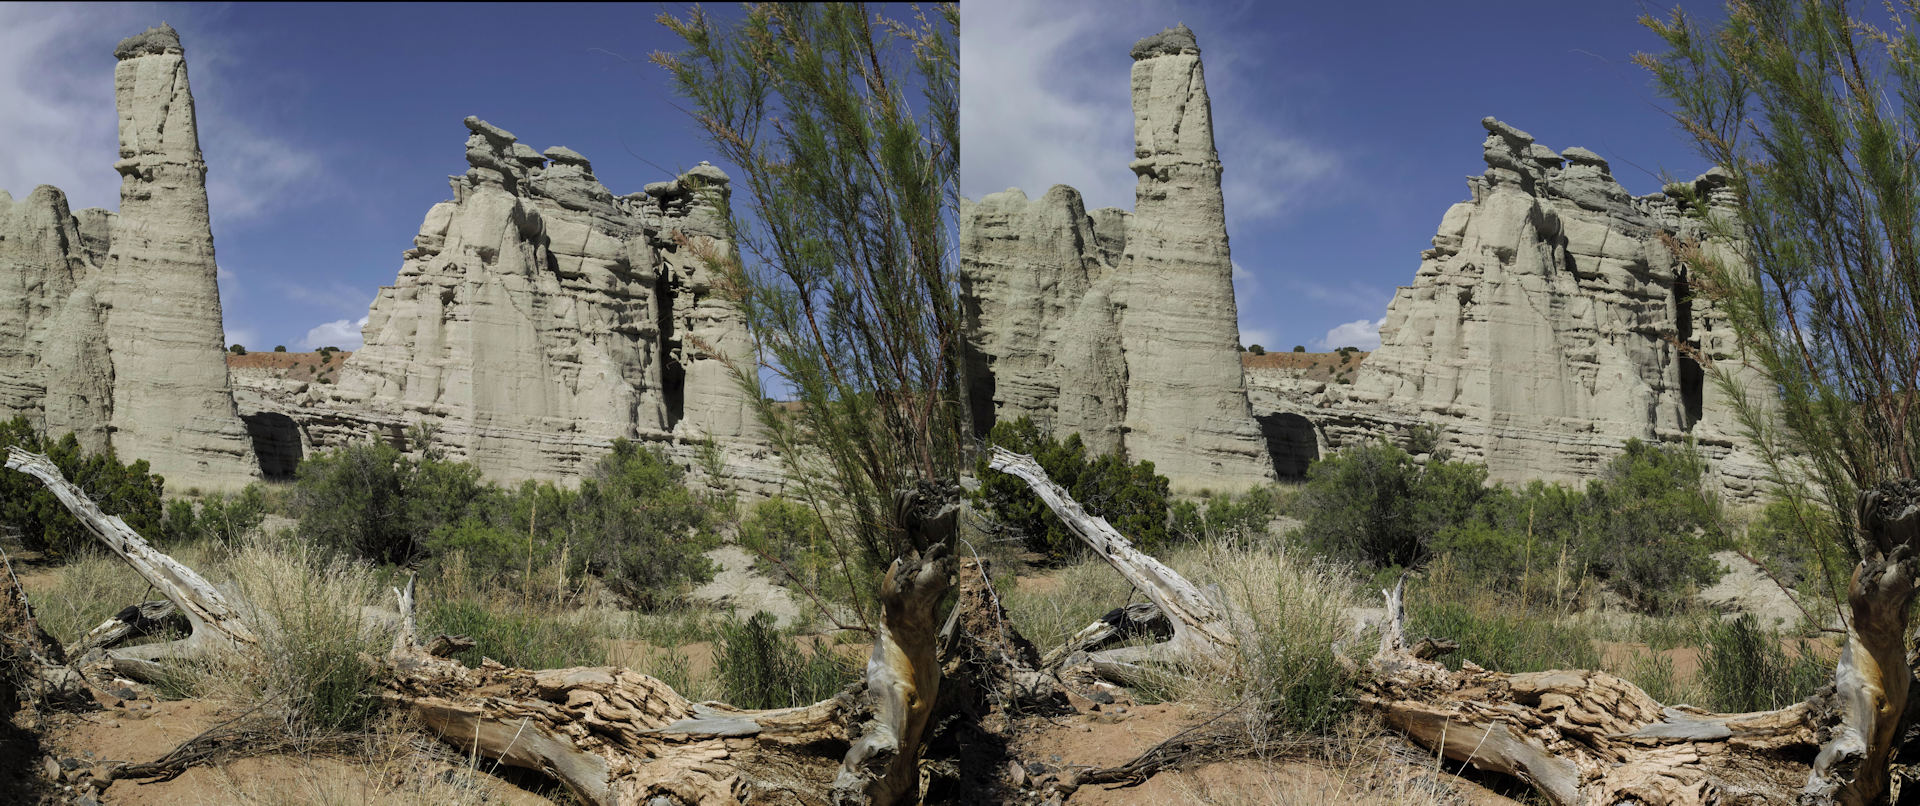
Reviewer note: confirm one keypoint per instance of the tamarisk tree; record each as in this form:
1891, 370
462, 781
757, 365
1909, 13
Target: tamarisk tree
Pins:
845, 124
1814, 113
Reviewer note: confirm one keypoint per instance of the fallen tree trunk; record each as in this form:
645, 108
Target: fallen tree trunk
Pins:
1201, 627
214, 622
615, 736
1586, 737
611, 735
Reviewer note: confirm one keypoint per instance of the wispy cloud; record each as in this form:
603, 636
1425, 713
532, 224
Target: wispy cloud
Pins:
59, 126
1362, 333
1048, 103
57, 119
338, 333
1029, 118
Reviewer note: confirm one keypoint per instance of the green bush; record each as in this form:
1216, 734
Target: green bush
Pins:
1299, 348
1130, 496
29, 511
1745, 669
1257, 350
527, 639
1496, 635
761, 668
221, 518
1225, 516
791, 544
237, 350
1373, 504
640, 528
633, 522
279, 348
1650, 528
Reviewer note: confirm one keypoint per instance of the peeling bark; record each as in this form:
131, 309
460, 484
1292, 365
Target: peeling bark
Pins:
1201, 627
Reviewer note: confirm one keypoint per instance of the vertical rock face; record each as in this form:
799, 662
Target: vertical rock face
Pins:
110, 324
1186, 400
172, 402
1544, 327
539, 316
1122, 327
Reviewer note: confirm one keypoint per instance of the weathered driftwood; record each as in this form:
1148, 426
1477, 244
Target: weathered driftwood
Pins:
133, 621
1119, 624
1201, 626
615, 736
1586, 737
215, 623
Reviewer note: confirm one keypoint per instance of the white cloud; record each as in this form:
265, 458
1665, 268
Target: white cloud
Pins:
57, 116
59, 125
1250, 336
1029, 118
337, 333
1361, 333
242, 336
1048, 102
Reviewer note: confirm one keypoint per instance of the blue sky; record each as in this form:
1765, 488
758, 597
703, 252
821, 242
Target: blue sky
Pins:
329, 130
1345, 129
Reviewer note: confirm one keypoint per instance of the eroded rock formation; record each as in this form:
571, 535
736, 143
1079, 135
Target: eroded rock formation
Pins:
538, 317
1122, 327
112, 327
1545, 326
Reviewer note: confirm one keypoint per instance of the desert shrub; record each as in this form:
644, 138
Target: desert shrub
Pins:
790, 543
1650, 527
352, 500
1299, 348
633, 522
640, 528
221, 518
1225, 516
279, 348
1257, 350
1496, 635
1130, 496
515, 636
32, 513
760, 667
1745, 669
1374, 505
237, 349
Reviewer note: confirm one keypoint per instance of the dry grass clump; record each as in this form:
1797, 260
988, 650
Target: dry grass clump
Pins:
1051, 609
1288, 685
93, 585
314, 670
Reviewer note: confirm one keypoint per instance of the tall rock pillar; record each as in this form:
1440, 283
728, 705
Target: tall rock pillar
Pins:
172, 401
1187, 406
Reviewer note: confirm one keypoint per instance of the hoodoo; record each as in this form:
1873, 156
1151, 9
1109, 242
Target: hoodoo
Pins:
1122, 326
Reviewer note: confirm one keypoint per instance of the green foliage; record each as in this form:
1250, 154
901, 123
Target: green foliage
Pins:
524, 638
844, 272
1646, 527
237, 350
221, 518
641, 529
793, 545
1373, 504
1496, 635
760, 667
1811, 114
279, 348
1225, 516
1130, 496
1257, 350
29, 510
1299, 348
633, 522
1745, 669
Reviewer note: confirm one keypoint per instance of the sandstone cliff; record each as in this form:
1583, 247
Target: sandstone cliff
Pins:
1122, 327
1544, 327
538, 317
112, 324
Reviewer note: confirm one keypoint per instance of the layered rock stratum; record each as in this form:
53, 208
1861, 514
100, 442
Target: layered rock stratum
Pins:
1122, 326
538, 317
1549, 323
113, 326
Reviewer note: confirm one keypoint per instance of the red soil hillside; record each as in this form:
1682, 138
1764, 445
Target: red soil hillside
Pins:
292, 366
1315, 366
